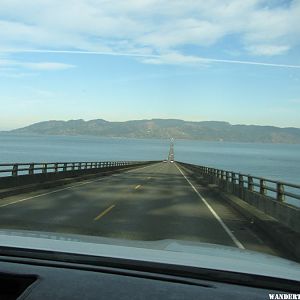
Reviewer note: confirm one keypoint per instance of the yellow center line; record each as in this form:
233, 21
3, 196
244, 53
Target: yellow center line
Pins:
137, 187
104, 212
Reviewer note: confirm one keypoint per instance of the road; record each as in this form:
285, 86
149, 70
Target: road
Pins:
155, 202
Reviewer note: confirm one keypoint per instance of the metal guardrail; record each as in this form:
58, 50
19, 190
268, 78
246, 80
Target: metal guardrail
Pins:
261, 185
17, 169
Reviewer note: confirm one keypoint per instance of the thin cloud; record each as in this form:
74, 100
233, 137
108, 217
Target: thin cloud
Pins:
268, 50
47, 66
37, 66
153, 58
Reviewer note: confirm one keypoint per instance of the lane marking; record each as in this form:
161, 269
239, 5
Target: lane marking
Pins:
104, 212
227, 230
137, 187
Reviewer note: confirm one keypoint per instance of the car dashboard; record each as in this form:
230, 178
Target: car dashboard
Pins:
28, 278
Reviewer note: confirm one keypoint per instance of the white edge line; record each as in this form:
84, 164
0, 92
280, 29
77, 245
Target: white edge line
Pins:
231, 235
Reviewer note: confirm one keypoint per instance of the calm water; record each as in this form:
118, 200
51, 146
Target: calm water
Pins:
274, 161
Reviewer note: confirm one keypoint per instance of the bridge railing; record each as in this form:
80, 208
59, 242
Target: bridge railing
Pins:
16, 169
278, 190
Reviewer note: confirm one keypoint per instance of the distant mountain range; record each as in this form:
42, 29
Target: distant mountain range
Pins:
166, 128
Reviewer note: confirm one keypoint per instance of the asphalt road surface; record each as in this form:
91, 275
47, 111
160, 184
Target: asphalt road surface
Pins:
155, 202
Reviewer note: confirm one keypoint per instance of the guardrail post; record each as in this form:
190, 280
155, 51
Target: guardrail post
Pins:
233, 183
233, 178
280, 192
73, 166
250, 183
262, 187
217, 175
14, 171
241, 185
210, 174
44, 169
31, 169
213, 174
227, 176
65, 167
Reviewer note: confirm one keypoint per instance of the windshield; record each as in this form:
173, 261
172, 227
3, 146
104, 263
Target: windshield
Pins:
153, 120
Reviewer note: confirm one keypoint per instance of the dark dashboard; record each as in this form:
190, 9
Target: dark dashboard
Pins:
27, 278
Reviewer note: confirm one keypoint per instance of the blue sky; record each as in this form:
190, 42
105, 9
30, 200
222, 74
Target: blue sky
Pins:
235, 61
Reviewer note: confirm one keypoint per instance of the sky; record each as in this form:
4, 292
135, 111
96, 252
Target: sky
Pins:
235, 61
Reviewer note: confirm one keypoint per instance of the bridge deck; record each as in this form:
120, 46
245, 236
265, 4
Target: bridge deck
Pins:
156, 202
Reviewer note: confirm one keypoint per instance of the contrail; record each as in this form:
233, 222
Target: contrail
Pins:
205, 59
81, 52
247, 62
